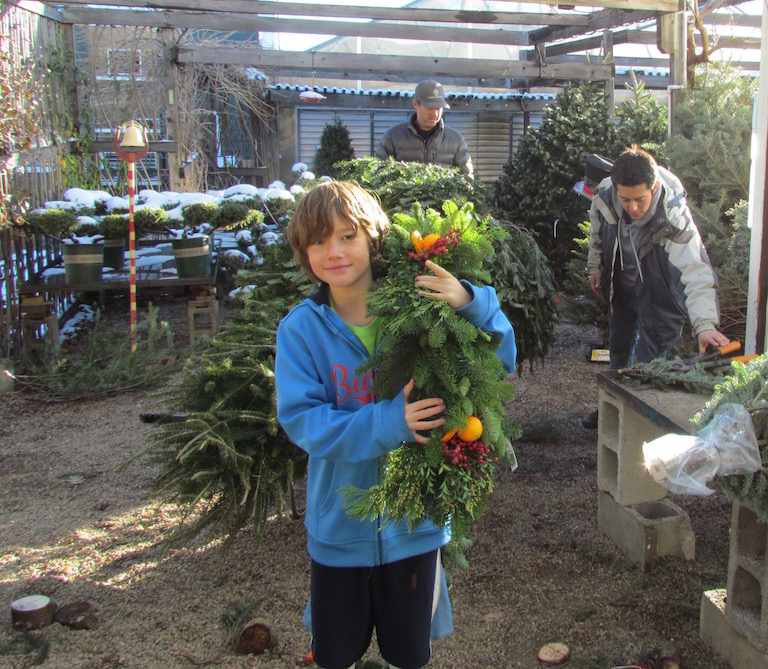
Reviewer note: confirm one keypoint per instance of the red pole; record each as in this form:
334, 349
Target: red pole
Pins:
131, 149
132, 251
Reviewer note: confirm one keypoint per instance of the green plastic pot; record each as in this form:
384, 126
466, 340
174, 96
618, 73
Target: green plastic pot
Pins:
83, 263
114, 253
193, 257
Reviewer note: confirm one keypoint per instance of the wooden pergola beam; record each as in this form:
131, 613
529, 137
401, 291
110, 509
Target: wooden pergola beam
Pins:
642, 63
344, 11
653, 5
241, 22
501, 73
594, 42
607, 19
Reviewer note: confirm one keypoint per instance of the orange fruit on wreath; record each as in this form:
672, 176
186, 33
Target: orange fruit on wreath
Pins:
418, 242
429, 241
447, 436
473, 431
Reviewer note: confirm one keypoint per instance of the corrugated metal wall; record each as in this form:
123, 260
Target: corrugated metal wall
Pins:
492, 137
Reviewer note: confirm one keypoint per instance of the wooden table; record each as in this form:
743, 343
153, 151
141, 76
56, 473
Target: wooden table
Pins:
149, 275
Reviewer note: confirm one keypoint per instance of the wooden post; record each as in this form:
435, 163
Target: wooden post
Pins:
756, 339
176, 182
608, 59
70, 76
677, 24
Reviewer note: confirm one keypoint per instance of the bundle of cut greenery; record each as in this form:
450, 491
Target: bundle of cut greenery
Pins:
446, 480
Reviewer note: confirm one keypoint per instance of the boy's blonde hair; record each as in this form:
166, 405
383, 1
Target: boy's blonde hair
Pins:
312, 223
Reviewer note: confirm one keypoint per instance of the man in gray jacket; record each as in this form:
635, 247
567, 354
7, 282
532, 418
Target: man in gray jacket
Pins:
425, 138
647, 261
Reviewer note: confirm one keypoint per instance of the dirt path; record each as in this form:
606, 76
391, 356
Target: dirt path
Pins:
76, 524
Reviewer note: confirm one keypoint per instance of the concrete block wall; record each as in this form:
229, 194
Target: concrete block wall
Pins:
747, 589
621, 468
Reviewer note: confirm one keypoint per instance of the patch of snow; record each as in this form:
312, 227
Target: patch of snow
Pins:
63, 204
306, 175
244, 236
312, 96
240, 189
269, 238
86, 198
235, 253
82, 317
278, 194
116, 202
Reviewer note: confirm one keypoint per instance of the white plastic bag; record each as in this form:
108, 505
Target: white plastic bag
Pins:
681, 463
733, 434
685, 464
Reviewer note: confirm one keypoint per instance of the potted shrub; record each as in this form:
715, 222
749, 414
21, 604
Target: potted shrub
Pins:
192, 249
114, 228
83, 258
150, 220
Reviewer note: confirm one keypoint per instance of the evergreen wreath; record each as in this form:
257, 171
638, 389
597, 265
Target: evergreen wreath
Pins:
447, 479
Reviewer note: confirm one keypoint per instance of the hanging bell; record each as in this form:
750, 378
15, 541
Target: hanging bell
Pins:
132, 139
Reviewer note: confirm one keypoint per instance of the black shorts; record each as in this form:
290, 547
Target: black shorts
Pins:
395, 598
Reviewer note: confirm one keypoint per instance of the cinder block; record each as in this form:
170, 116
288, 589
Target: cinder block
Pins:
747, 602
648, 531
716, 629
620, 462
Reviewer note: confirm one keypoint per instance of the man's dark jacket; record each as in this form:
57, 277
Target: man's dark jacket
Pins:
446, 146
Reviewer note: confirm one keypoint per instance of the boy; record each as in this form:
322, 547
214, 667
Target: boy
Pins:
362, 575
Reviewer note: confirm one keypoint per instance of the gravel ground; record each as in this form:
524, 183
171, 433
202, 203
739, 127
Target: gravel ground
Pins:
76, 524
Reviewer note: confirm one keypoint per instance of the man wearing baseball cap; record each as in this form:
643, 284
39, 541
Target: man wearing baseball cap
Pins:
425, 138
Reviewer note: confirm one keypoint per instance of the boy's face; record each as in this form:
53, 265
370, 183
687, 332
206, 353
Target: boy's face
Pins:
636, 200
343, 260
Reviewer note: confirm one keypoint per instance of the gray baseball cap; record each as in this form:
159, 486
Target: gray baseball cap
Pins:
430, 94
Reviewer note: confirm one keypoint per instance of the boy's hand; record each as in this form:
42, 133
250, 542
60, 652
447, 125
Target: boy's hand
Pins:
417, 413
442, 285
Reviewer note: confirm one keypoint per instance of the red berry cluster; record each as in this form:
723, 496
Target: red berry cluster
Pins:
466, 454
440, 247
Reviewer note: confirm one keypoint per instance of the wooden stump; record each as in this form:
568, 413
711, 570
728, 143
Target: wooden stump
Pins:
255, 638
32, 612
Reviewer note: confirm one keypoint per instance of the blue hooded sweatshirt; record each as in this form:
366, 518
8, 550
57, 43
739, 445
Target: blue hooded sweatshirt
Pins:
332, 414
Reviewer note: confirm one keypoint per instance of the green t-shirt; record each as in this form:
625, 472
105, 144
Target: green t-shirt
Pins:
369, 335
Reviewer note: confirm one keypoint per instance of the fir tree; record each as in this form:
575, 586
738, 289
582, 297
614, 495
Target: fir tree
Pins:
227, 460
335, 146
640, 120
708, 156
535, 190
